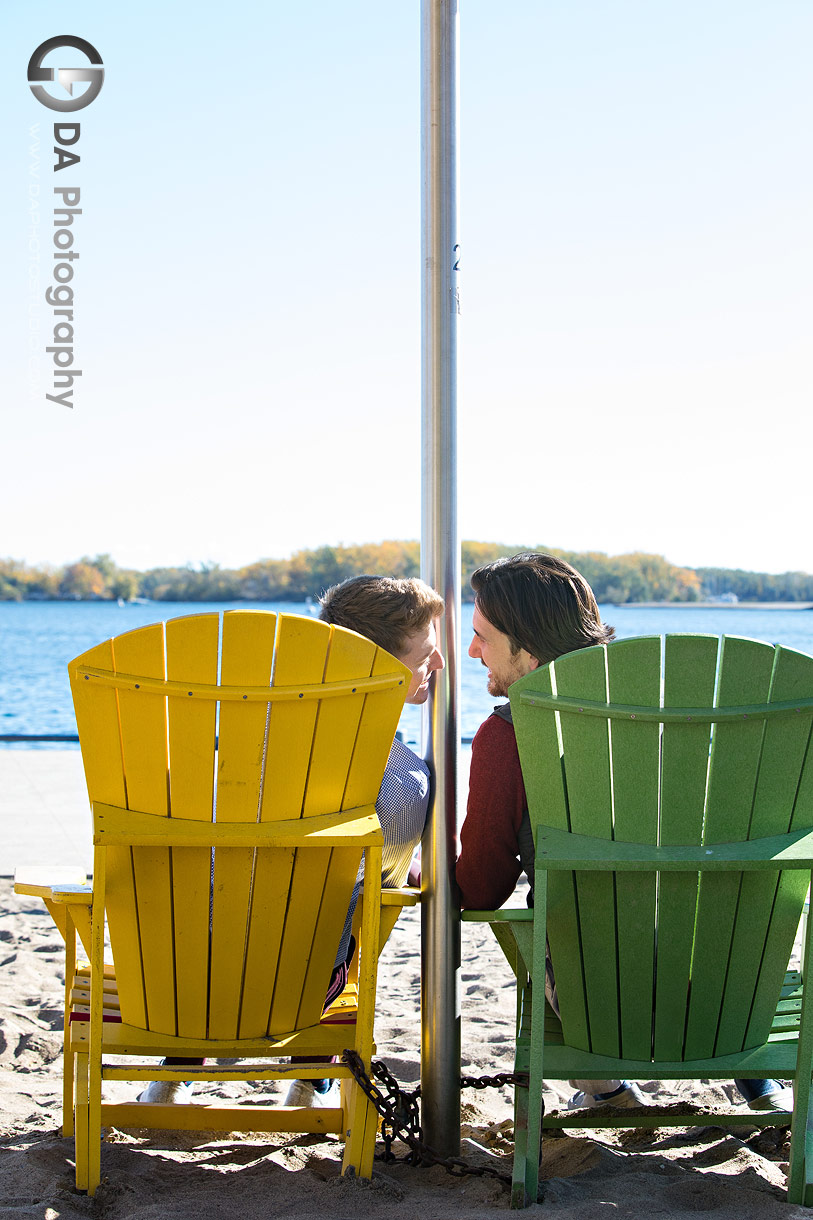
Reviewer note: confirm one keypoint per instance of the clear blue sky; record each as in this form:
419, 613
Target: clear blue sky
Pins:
637, 289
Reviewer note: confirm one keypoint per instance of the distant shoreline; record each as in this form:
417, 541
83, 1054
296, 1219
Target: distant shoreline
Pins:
713, 605
282, 601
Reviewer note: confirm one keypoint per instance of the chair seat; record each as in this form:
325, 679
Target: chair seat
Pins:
342, 1011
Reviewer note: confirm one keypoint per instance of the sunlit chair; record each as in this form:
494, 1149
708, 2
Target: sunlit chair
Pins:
232, 774
670, 788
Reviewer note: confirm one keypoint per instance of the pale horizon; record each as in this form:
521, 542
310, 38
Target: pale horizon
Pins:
197, 564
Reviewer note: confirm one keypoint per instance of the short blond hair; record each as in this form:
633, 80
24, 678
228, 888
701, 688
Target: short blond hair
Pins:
385, 609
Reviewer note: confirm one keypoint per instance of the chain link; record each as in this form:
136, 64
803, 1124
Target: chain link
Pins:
400, 1116
495, 1082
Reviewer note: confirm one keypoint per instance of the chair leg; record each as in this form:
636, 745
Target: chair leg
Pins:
360, 1129
536, 1021
94, 1125
520, 1146
800, 1170
81, 1121
67, 1091
67, 1054
521, 1064
370, 1133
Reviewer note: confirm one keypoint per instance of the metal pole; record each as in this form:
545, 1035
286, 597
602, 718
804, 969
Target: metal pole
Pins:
440, 566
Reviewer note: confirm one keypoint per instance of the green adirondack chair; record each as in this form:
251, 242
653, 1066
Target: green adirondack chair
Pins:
670, 788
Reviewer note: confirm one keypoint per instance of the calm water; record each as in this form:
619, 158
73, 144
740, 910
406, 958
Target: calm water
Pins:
37, 639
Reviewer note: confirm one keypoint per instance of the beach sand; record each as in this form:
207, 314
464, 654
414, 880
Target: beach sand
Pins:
674, 1174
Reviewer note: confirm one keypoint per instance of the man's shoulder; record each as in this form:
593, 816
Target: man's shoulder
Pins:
497, 729
403, 759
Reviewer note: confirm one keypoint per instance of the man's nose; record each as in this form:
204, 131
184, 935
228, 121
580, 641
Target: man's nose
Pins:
474, 647
436, 660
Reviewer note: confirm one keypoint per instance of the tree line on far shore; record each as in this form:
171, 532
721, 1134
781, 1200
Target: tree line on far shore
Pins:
635, 577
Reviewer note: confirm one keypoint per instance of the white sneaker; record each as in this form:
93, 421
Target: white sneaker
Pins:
627, 1098
302, 1093
780, 1100
162, 1092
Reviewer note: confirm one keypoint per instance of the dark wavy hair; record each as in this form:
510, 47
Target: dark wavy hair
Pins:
541, 603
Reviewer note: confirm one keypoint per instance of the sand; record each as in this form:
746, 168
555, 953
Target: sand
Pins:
674, 1174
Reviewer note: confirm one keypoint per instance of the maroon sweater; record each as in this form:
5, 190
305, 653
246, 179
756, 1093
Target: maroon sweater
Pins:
488, 867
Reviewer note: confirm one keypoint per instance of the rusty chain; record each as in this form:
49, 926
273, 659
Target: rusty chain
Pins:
400, 1116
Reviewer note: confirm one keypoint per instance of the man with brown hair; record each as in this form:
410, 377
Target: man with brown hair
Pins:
529, 610
399, 616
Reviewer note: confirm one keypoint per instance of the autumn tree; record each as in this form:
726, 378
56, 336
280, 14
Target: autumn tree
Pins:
81, 580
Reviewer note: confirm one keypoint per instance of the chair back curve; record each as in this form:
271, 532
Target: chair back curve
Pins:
667, 741
226, 725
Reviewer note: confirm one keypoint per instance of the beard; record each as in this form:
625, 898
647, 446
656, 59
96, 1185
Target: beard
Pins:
498, 684
500, 679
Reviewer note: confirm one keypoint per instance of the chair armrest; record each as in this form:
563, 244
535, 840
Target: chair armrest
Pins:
504, 915
404, 896
68, 898
54, 884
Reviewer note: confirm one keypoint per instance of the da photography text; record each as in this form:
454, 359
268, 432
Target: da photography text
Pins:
61, 294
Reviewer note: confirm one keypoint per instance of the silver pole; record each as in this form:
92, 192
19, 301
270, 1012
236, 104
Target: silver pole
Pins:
440, 566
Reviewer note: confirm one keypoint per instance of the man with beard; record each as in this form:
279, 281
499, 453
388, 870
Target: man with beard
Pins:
529, 610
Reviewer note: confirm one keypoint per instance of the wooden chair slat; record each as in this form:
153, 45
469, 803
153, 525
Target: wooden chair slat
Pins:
338, 888
269, 900
746, 667
537, 735
335, 732
308, 881
301, 656
589, 795
771, 904
690, 664
633, 670
192, 654
247, 656
97, 721
373, 743
777, 803
785, 747
143, 718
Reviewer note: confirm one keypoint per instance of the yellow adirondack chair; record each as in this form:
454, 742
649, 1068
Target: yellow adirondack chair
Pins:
231, 807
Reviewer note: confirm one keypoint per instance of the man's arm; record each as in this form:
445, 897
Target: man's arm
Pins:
488, 868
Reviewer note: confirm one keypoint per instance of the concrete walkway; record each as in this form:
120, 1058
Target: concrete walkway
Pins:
44, 810
45, 814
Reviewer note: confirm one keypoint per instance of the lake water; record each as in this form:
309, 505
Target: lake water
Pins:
37, 639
